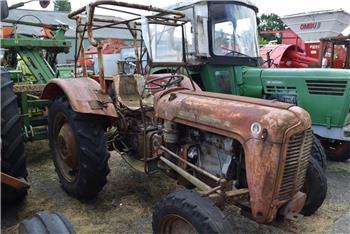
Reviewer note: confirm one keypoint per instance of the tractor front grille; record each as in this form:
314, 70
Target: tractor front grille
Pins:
297, 161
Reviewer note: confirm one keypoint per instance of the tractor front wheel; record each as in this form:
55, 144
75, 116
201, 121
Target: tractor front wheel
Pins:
79, 150
318, 153
186, 211
315, 188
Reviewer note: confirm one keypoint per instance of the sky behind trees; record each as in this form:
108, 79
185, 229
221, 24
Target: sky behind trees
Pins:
281, 7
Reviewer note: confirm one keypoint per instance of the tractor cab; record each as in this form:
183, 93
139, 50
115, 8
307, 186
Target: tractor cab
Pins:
221, 32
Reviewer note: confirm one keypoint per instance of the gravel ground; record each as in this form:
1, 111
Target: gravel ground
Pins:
125, 204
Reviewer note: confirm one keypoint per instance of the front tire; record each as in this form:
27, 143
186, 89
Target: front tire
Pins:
318, 153
78, 146
186, 211
315, 188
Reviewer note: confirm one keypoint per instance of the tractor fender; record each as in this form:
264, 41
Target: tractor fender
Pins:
84, 96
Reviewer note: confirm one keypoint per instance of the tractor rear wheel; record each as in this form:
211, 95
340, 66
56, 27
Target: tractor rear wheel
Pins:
13, 161
337, 150
186, 211
79, 150
315, 188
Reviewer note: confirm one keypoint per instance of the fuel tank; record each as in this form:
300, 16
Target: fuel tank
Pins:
264, 128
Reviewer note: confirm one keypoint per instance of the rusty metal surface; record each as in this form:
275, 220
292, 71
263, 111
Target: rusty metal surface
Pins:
294, 206
83, 94
28, 88
126, 91
198, 169
195, 181
101, 70
81, 50
269, 165
200, 109
296, 163
65, 145
127, 5
264, 148
186, 82
14, 182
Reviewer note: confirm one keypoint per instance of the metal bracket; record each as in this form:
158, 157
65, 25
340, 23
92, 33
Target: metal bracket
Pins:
101, 102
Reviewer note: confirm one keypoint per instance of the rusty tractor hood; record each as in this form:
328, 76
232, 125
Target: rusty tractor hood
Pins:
231, 115
265, 149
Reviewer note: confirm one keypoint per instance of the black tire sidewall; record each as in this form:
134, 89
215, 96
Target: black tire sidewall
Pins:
201, 212
316, 181
46, 222
13, 160
318, 152
338, 155
92, 151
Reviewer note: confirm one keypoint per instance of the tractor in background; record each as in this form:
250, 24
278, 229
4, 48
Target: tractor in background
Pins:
14, 131
27, 64
223, 56
288, 50
30, 61
285, 49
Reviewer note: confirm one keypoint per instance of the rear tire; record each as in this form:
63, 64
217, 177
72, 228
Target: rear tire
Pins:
78, 146
186, 211
13, 161
46, 223
337, 151
315, 188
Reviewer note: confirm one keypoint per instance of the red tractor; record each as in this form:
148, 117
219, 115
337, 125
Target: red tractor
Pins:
249, 152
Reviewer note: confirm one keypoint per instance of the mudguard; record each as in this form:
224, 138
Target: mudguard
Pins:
83, 94
265, 146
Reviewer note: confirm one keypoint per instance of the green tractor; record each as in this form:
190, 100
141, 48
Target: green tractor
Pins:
223, 56
30, 61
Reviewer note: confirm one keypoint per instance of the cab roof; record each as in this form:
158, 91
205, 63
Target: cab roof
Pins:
185, 3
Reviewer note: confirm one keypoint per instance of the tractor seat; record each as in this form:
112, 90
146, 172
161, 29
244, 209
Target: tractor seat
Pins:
127, 92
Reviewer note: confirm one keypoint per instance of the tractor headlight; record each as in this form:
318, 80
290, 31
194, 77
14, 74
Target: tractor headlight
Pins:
255, 128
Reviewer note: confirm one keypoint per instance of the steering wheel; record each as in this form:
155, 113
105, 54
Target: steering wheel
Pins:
169, 81
129, 65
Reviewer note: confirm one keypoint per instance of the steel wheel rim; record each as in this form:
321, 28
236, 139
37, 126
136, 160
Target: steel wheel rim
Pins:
65, 148
175, 224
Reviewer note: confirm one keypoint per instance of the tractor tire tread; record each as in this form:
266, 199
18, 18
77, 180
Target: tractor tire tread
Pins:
13, 160
190, 205
46, 222
93, 155
317, 183
319, 153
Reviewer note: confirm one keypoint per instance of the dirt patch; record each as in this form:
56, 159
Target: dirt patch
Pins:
126, 202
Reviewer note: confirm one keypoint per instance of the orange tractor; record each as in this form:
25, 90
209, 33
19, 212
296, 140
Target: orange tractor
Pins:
244, 151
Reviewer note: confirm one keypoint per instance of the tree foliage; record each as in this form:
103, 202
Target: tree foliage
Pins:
271, 22
62, 5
